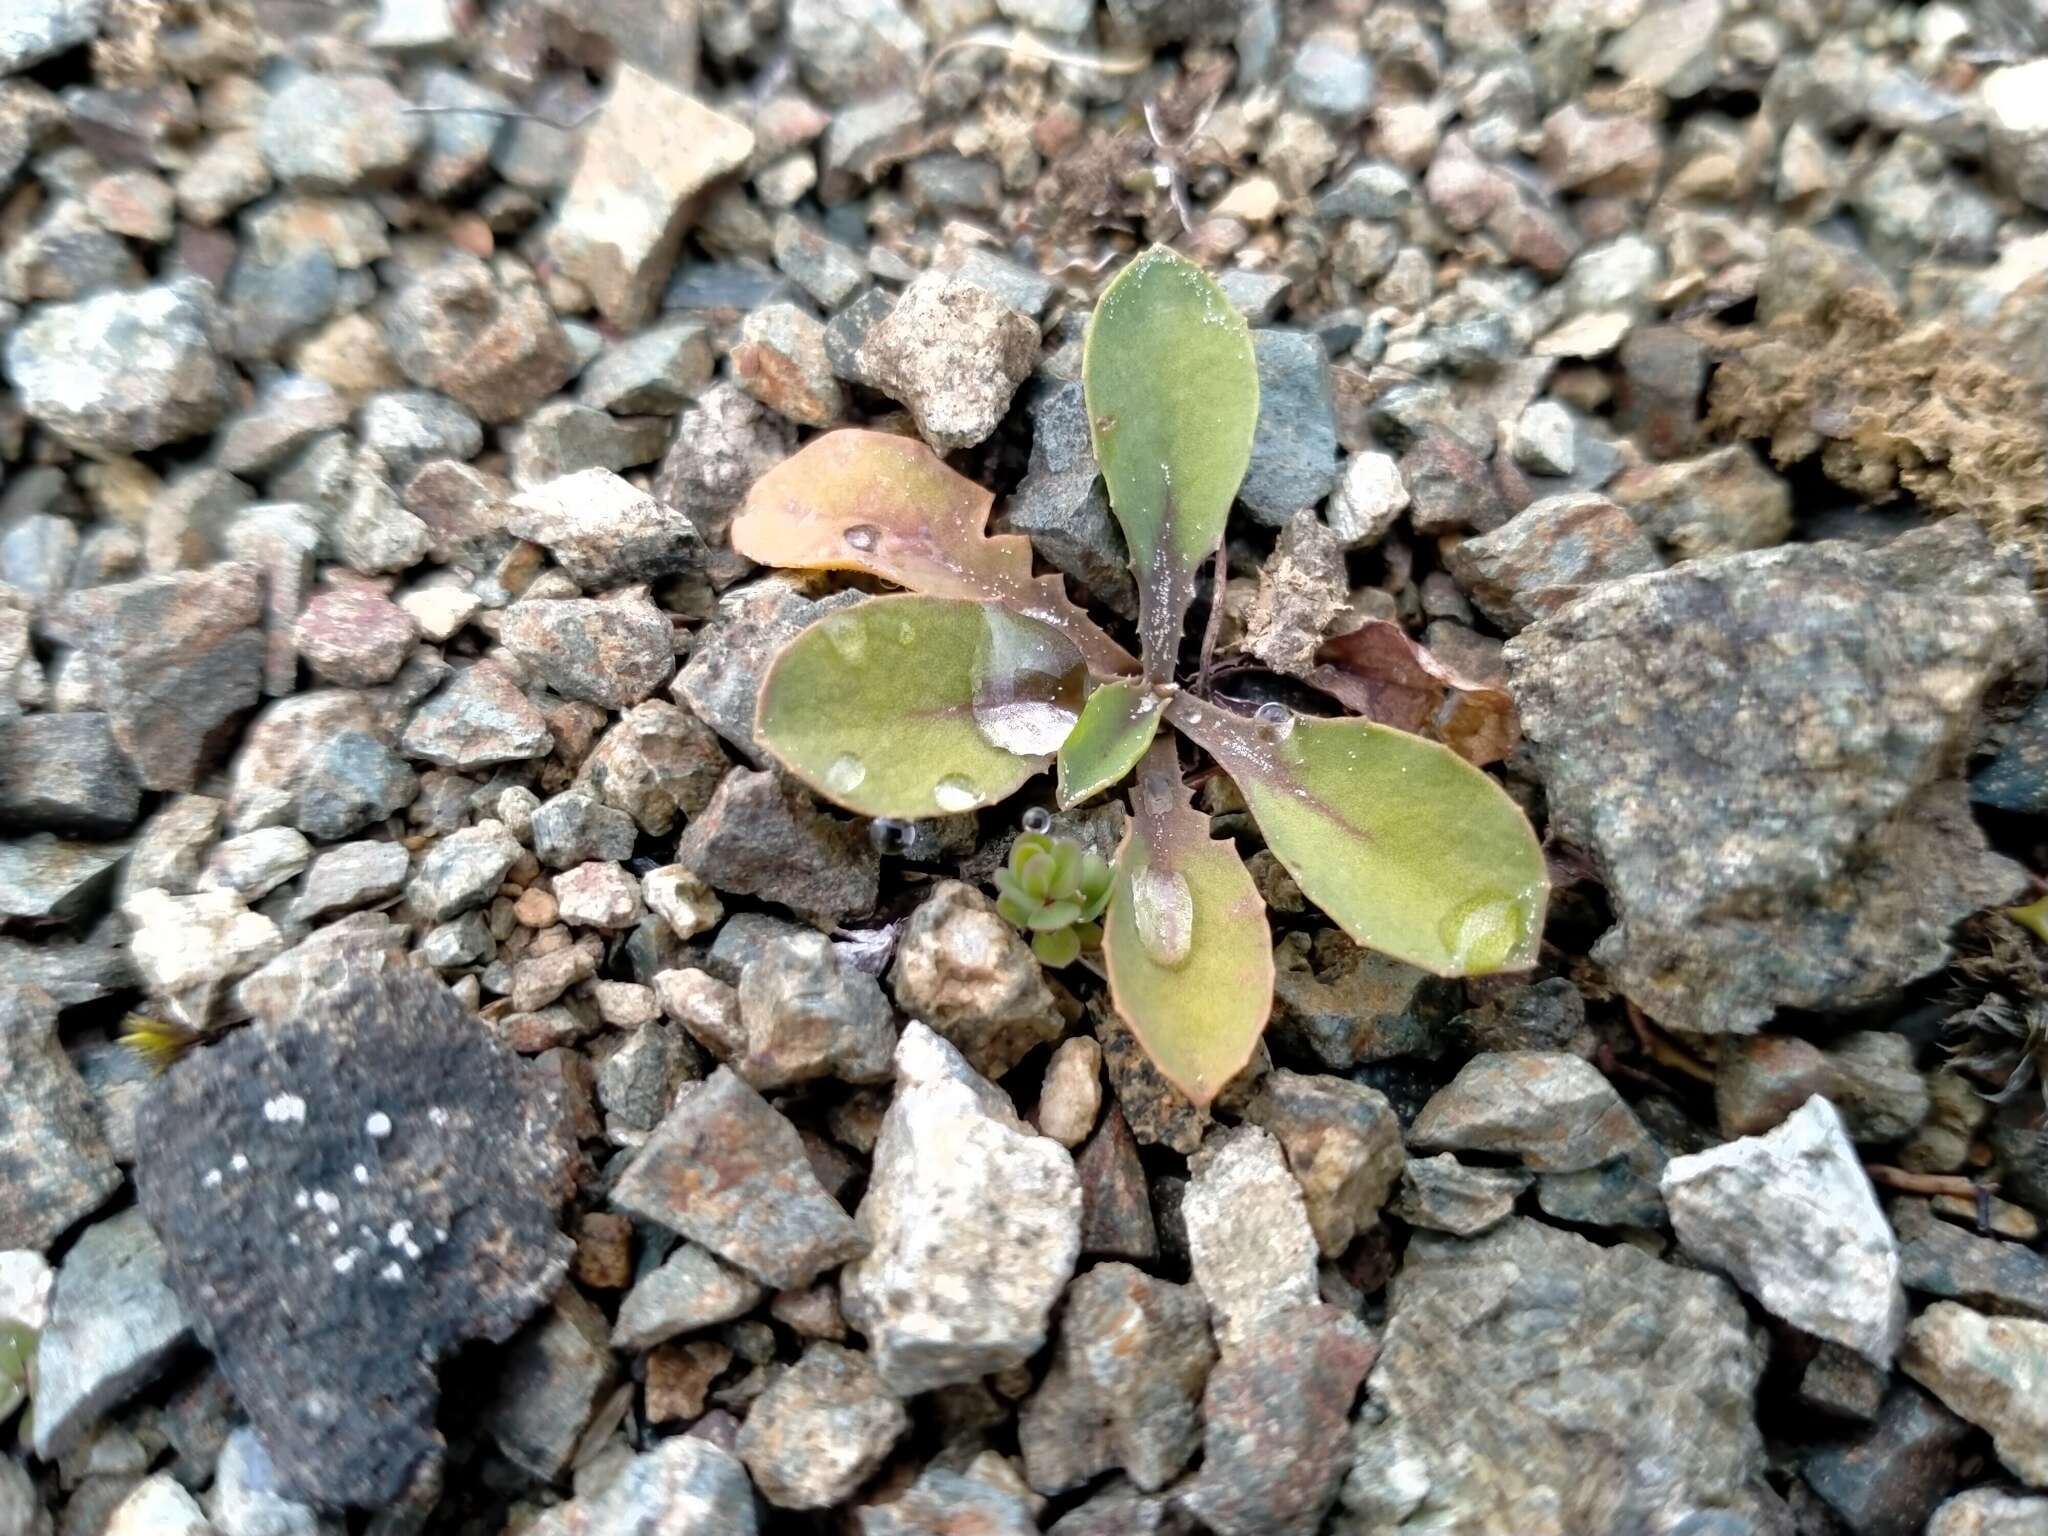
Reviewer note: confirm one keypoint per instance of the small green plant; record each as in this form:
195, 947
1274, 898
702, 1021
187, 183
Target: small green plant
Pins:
947, 697
1055, 890
17, 1368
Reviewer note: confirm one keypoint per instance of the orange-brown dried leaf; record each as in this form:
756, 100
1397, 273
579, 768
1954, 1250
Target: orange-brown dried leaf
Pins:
887, 505
1377, 671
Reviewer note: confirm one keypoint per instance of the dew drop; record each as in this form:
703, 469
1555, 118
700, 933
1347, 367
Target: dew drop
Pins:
891, 836
849, 638
1163, 912
863, 537
1276, 720
844, 775
1038, 819
1481, 933
956, 792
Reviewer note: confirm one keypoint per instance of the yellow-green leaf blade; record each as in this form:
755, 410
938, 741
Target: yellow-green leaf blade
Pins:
887, 505
1185, 941
1116, 726
910, 706
1173, 396
1411, 849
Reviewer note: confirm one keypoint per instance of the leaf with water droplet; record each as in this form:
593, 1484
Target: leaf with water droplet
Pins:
887, 505
1173, 396
1414, 852
1116, 726
1185, 941
882, 707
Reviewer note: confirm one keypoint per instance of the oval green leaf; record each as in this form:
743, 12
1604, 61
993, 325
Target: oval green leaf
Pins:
912, 706
1185, 941
873, 501
1410, 848
1115, 728
1173, 396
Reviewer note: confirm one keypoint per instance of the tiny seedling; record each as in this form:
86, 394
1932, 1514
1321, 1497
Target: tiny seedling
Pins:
948, 696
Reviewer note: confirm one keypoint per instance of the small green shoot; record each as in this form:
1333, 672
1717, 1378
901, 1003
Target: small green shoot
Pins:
948, 698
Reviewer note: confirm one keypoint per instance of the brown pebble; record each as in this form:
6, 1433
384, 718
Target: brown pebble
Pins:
679, 1374
535, 908
604, 1251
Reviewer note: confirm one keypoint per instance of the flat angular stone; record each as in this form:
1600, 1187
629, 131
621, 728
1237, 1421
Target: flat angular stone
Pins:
1273, 1423
763, 836
613, 652
1125, 1387
727, 1170
55, 1168
1791, 1217
1343, 1145
114, 1325
650, 151
1885, 1480
972, 1223
1253, 1250
1541, 558
556, 1378
1685, 728
1465, 1414
65, 772
396, 1177
478, 718
1991, 1370
691, 1289
174, 661
684, 1486
821, 1430
603, 532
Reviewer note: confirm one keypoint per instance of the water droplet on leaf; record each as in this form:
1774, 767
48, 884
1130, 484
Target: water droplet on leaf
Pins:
1276, 721
1483, 932
844, 775
1163, 912
955, 792
1037, 819
863, 537
850, 639
1028, 686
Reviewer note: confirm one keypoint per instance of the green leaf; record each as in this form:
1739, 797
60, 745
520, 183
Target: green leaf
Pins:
887, 505
1186, 946
17, 1351
1116, 726
1173, 396
1057, 914
911, 706
1056, 949
1411, 849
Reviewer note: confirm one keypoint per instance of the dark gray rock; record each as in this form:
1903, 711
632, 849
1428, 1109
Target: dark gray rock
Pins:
725, 1168
114, 1326
408, 428
691, 1289
655, 371
731, 655
1464, 1423
478, 719
352, 781
572, 829
1547, 554
1294, 448
1125, 1386
45, 878
1338, 1004
723, 443
1441, 1194
941, 1502
1273, 1448
174, 661
564, 437
1753, 747
65, 772
393, 1178
556, 1378
1886, 1480
1062, 507
763, 836
55, 1167
1116, 1208
1938, 1258
2016, 779
615, 651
